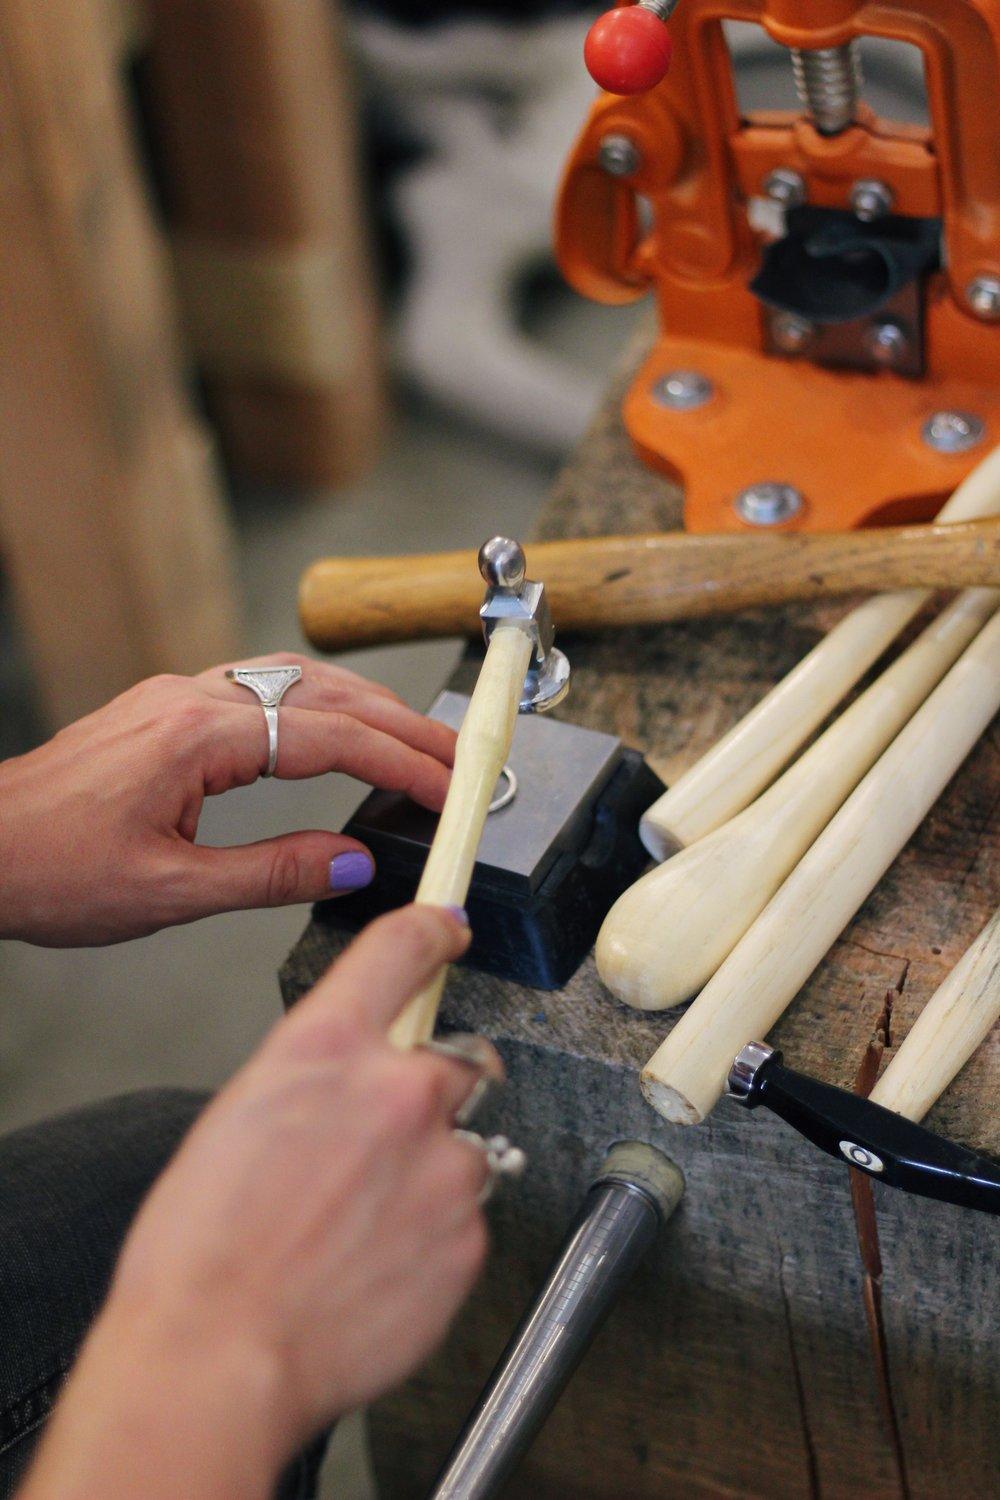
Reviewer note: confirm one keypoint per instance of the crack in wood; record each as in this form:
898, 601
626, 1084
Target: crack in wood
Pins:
853, 942
812, 1465
870, 1250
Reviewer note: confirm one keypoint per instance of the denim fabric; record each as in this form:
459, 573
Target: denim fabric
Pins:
69, 1189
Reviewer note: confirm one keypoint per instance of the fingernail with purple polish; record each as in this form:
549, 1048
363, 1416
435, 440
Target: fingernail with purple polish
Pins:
351, 871
459, 913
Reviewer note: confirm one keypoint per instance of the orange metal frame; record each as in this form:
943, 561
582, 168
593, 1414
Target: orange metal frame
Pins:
849, 441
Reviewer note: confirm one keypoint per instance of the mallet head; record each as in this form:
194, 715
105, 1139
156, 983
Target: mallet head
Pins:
513, 600
502, 563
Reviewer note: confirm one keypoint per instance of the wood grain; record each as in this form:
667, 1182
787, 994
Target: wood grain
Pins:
345, 603
482, 748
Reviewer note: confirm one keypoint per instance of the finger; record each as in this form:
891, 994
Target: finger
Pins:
295, 867
389, 963
396, 719
322, 675
311, 743
332, 689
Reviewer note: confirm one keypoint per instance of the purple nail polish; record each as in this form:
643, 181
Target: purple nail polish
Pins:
351, 871
459, 913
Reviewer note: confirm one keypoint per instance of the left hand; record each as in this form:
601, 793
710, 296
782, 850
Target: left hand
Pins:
97, 827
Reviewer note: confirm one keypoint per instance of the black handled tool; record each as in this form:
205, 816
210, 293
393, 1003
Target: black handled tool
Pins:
877, 1141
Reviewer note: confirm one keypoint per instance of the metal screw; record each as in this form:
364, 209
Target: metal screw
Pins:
953, 431
983, 296
501, 562
682, 390
888, 343
790, 333
871, 199
619, 156
768, 503
785, 187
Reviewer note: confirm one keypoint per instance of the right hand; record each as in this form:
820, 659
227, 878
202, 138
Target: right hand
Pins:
320, 1223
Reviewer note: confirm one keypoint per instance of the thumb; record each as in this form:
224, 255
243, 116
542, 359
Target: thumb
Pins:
279, 872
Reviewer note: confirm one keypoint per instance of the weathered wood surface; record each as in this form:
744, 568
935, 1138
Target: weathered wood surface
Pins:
738, 1363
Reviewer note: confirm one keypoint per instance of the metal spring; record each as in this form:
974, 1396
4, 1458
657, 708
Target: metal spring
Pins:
828, 80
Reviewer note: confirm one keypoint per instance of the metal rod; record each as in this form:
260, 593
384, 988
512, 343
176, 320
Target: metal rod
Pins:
634, 1194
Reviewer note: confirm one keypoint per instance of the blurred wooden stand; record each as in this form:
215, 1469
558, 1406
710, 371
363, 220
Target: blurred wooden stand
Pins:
113, 530
252, 110
112, 525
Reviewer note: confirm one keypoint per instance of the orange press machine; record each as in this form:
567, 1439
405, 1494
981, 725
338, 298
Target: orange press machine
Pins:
827, 282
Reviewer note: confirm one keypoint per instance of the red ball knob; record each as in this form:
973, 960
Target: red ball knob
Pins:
627, 50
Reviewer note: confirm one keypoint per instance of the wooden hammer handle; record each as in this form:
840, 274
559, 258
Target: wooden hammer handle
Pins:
958, 1016
593, 582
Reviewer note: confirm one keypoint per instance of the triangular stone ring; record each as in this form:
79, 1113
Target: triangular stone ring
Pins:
268, 685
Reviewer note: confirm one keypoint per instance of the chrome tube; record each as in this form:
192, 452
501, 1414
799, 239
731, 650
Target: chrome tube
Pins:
631, 1198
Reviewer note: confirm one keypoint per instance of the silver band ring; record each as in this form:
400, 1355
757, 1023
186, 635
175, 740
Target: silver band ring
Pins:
468, 1050
268, 685
504, 798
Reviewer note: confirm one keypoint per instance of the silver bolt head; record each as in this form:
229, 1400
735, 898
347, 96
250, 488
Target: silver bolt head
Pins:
871, 199
768, 503
502, 562
983, 296
790, 333
619, 156
953, 431
682, 390
888, 343
785, 187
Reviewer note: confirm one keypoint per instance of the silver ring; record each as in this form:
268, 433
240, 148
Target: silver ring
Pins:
502, 1159
268, 685
508, 794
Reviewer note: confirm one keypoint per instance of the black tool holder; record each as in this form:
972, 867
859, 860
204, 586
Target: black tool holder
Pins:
876, 1141
550, 864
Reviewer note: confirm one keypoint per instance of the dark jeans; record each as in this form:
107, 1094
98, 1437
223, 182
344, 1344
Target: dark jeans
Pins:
69, 1189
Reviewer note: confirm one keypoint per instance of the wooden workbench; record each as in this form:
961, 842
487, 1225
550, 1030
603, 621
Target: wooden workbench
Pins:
738, 1363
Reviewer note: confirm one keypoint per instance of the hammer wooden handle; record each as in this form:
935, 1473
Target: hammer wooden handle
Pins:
714, 889
948, 1030
593, 582
483, 746
686, 1076
751, 753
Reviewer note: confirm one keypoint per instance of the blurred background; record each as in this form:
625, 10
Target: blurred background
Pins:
275, 281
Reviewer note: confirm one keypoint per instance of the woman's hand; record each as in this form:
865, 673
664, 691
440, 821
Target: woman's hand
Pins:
97, 827
304, 1251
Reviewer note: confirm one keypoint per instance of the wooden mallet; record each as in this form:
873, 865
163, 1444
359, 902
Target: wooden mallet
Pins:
748, 757
953, 1023
597, 582
711, 891
522, 672
686, 1076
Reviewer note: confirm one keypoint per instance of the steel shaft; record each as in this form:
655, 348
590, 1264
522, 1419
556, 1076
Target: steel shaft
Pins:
625, 1207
